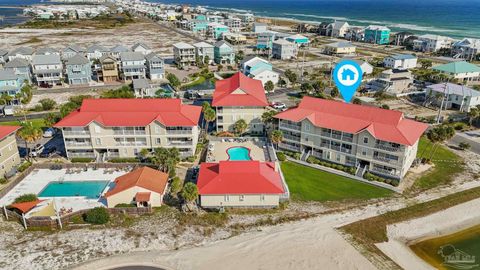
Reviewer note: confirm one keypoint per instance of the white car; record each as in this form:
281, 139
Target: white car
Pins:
37, 150
49, 133
279, 106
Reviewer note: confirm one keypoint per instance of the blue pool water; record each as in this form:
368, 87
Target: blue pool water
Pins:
238, 153
89, 189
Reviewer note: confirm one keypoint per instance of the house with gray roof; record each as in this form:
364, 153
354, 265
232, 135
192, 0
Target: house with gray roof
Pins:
20, 67
184, 54
224, 53
400, 61
141, 48
21, 52
95, 52
72, 50
456, 96
132, 66
155, 67
204, 50
46, 51
117, 50
78, 70
341, 47
10, 83
337, 29
47, 70
143, 88
284, 49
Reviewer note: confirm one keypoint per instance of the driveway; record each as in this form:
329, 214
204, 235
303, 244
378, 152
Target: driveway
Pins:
470, 137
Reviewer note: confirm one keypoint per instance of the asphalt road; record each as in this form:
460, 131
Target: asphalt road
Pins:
472, 138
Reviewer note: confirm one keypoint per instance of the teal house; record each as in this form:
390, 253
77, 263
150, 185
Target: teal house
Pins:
199, 24
377, 34
265, 40
224, 53
10, 83
299, 40
78, 69
216, 30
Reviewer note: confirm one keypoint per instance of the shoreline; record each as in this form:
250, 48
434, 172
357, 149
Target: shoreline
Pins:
402, 235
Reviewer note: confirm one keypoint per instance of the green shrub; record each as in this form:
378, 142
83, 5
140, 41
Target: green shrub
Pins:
395, 182
47, 104
26, 198
3, 181
189, 159
97, 215
296, 156
176, 185
281, 156
25, 165
122, 205
81, 160
124, 160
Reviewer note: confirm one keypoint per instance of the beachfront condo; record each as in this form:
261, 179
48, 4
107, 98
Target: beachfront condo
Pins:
239, 97
120, 128
371, 139
9, 157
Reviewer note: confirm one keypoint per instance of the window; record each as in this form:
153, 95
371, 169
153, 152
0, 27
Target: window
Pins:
227, 198
241, 198
158, 141
157, 129
364, 153
97, 129
98, 141
365, 140
262, 198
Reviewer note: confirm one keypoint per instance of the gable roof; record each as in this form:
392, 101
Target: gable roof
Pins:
17, 62
456, 89
140, 44
7, 75
221, 43
5, 131
402, 56
77, 59
386, 125
133, 112
46, 50
22, 51
119, 49
143, 177
202, 45
458, 67
131, 56
46, 59
96, 48
239, 177
153, 56
183, 45
254, 92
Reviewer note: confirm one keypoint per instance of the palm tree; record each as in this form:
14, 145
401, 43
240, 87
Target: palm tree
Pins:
267, 118
209, 116
240, 127
439, 135
276, 137
473, 114
205, 106
30, 134
190, 192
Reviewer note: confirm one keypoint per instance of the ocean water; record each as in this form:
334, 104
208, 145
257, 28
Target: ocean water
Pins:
455, 18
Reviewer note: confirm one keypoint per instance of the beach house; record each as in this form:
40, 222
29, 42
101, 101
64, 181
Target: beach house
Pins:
72, 50
239, 97
25, 53
341, 47
337, 29
141, 48
300, 40
96, 51
223, 53
198, 26
47, 70
10, 83
265, 40
115, 51
400, 38
259, 69
431, 43
9, 157
366, 68
239, 184
46, 51
455, 96
284, 50
234, 24
393, 81
121, 128
155, 67
462, 71
467, 48
400, 61
205, 52
132, 65
260, 28
379, 141
141, 187
20, 67
377, 34
108, 69
78, 70
184, 54
216, 30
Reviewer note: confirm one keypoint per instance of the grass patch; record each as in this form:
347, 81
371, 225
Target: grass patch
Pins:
30, 41
106, 21
447, 165
373, 230
38, 122
316, 185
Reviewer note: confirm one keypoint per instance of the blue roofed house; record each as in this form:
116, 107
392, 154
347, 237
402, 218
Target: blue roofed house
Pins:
462, 71
155, 67
299, 40
216, 30
224, 53
377, 34
459, 97
78, 70
21, 68
400, 61
10, 83
259, 69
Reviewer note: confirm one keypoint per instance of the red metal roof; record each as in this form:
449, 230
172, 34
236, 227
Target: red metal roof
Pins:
142, 196
239, 90
133, 112
25, 207
386, 125
144, 177
7, 130
239, 177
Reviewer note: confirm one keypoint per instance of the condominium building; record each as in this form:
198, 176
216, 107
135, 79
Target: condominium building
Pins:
184, 54
9, 157
121, 128
239, 97
371, 139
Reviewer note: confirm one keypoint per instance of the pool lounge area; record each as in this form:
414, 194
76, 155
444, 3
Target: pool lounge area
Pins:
236, 149
88, 189
238, 153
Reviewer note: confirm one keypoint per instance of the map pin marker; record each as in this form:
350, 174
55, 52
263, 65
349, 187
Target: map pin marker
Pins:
348, 77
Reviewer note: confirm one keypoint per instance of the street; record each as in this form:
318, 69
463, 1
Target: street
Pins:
470, 137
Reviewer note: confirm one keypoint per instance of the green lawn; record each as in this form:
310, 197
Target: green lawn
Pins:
309, 184
36, 122
447, 165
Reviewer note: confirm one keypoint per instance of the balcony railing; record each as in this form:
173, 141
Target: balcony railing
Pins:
180, 143
289, 147
293, 127
291, 138
385, 171
129, 132
74, 155
76, 133
78, 144
384, 159
174, 132
387, 147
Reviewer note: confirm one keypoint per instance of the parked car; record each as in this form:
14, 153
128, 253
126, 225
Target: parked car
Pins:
279, 105
190, 94
48, 152
37, 150
49, 133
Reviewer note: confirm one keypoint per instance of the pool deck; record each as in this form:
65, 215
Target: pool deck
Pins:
219, 151
38, 179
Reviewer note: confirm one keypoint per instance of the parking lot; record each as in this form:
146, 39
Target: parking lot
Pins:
55, 142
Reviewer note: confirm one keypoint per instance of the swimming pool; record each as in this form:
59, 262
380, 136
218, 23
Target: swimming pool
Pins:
89, 189
238, 153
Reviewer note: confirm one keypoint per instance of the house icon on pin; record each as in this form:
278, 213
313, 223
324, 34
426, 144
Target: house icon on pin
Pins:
348, 75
